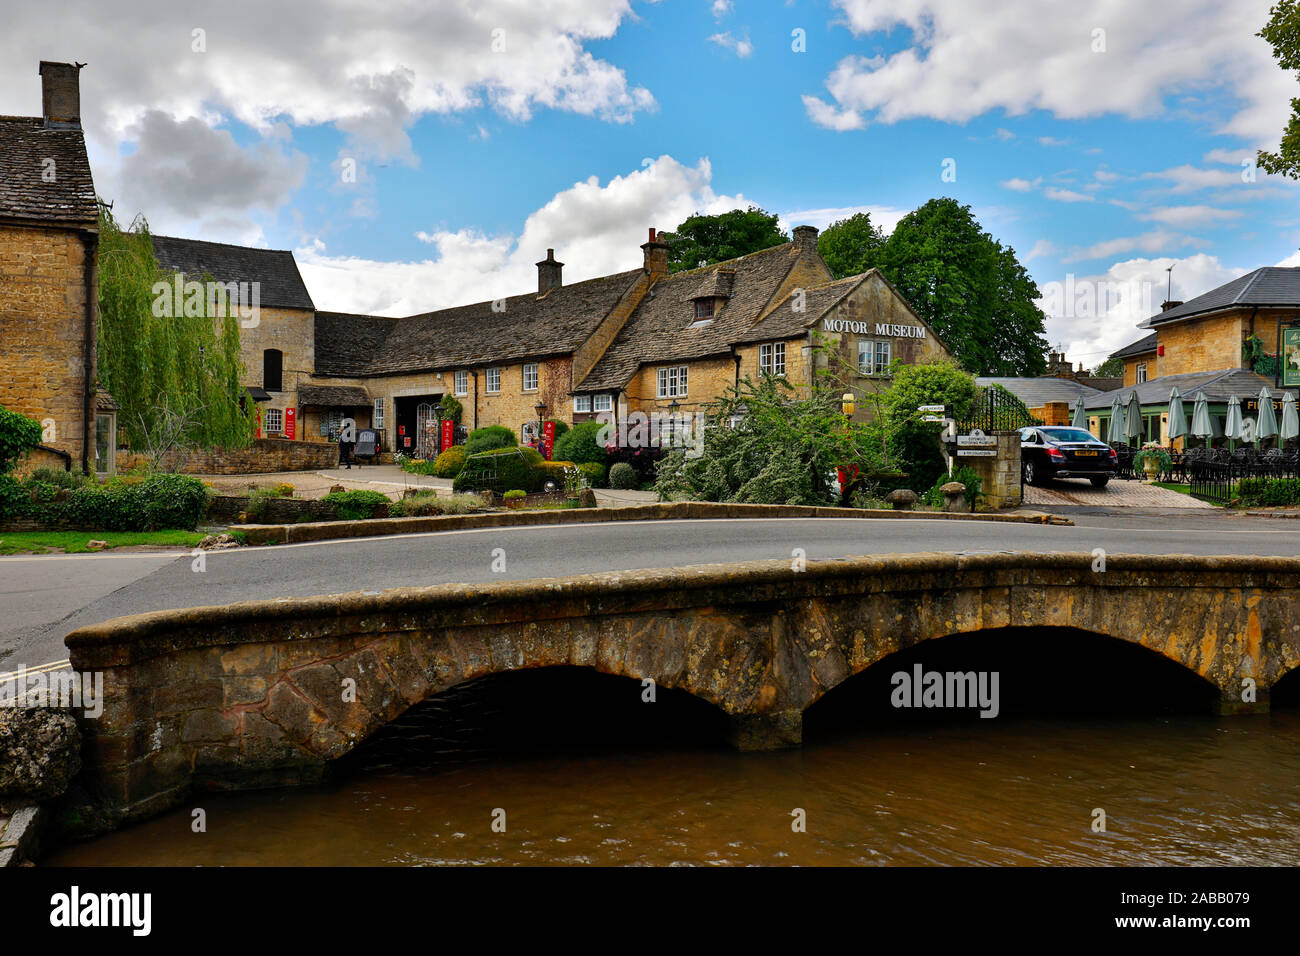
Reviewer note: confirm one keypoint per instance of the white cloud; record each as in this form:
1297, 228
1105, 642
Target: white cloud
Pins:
1066, 195
1043, 247
1230, 157
884, 218
741, 46
1016, 184
823, 114
720, 8
1188, 178
1052, 141
1004, 134
1104, 175
1154, 242
594, 229
1183, 216
968, 57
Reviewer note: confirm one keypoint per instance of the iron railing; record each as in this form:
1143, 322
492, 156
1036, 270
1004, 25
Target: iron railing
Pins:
997, 410
1219, 480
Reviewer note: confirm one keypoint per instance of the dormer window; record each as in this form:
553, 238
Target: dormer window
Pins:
704, 308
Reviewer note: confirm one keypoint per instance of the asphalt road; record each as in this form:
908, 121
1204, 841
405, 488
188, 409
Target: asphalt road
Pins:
43, 598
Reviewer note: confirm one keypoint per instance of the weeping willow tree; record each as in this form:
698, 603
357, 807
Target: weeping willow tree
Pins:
176, 375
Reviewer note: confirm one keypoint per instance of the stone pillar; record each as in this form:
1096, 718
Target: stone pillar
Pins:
999, 475
1230, 703
766, 731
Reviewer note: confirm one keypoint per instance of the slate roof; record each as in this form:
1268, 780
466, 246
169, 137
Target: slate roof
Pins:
1143, 345
468, 335
659, 330
277, 271
1271, 285
1036, 392
25, 144
1218, 386
344, 395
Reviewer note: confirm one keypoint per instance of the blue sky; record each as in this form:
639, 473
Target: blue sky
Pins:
1099, 141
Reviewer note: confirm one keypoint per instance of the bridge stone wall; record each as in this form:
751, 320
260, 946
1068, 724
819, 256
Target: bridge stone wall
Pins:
266, 693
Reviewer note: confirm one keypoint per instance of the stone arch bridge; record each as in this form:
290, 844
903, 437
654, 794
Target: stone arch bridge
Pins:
268, 692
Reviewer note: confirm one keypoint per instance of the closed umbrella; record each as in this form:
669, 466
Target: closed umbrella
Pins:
1202, 427
1133, 419
1290, 418
1266, 423
1115, 433
1080, 419
1177, 419
1232, 427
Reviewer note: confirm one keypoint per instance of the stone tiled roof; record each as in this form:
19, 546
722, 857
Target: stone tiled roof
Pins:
104, 402
468, 335
1036, 392
659, 330
1218, 386
785, 322
343, 395
277, 271
25, 144
1271, 285
1143, 345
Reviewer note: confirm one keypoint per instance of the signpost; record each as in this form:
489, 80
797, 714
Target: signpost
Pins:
290, 422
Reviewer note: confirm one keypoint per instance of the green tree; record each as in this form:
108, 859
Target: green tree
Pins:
851, 246
968, 287
705, 240
1283, 33
18, 435
1109, 369
170, 368
913, 443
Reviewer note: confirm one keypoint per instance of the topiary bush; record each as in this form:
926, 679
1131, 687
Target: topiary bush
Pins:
624, 477
594, 472
490, 438
358, 505
579, 444
450, 462
500, 470
556, 471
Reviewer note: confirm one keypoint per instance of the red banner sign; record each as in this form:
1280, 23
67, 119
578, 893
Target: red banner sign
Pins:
259, 421
290, 422
548, 438
448, 433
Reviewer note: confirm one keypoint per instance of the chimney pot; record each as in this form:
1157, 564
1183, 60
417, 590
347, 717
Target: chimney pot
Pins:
656, 255
61, 93
806, 236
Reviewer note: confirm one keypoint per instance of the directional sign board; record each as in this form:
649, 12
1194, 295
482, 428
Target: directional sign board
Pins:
936, 409
976, 453
933, 418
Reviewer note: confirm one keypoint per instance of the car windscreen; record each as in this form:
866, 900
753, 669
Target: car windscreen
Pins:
1069, 434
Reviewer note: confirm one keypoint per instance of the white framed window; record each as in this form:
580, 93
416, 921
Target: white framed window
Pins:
377, 418
1141, 373
530, 377
462, 382
492, 380
582, 403
873, 358
273, 421
771, 358
602, 403
672, 381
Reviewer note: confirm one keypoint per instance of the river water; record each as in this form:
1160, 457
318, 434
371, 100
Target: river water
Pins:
580, 770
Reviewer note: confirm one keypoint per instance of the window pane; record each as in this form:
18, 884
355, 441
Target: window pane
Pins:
603, 403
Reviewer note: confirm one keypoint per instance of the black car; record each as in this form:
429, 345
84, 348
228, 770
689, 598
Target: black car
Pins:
1060, 451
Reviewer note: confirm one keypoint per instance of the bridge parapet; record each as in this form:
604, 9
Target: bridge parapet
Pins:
268, 692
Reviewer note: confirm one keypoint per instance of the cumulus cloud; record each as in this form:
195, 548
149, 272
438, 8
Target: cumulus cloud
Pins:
967, 57
1066, 195
884, 218
741, 46
594, 229
1016, 184
1184, 216
1043, 247
1155, 241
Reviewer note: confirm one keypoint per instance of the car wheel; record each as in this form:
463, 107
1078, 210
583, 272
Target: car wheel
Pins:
1099, 482
1031, 473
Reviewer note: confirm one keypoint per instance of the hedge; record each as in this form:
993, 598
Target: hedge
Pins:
579, 444
355, 505
490, 438
154, 503
1269, 491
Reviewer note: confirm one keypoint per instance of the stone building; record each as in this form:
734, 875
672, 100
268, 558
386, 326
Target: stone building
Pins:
49, 240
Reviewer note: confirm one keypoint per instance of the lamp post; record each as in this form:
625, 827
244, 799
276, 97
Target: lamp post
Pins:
673, 408
540, 409
847, 404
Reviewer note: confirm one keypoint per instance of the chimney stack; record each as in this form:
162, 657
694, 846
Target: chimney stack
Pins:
1171, 304
549, 273
806, 236
656, 255
61, 93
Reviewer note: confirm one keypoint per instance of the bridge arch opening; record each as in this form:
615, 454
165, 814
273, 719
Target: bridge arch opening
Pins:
1285, 694
1054, 673
539, 711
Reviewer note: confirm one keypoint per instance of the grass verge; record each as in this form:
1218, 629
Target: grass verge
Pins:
75, 542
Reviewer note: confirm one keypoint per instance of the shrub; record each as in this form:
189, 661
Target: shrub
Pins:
623, 477
556, 471
283, 490
561, 428
450, 462
594, 472
963, 473
514, 494
418, 466
579, 444
155, 503
13, 498
490, 438
18, 435
1268, 491
356, 505
57, 477
500, 469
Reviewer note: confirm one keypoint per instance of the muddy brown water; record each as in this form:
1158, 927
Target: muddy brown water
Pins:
582, 771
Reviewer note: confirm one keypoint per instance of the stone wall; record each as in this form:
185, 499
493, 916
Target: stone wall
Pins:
42, 330
250, 694
263, 456
1000, 475
1200, 345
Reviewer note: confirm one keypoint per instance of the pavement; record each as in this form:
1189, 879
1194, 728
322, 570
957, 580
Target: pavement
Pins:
1118, 494
43, 597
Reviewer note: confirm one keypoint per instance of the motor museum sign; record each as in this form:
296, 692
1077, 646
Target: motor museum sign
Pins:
874, 328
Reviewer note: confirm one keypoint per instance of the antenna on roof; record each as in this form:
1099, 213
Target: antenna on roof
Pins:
1169, 291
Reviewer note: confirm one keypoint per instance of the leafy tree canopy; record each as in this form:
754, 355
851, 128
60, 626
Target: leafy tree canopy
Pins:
969, 287
851, 246
1109, 368
1283, 33
705, 240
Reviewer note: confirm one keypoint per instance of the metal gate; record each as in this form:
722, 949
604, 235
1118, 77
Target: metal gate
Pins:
427, 439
